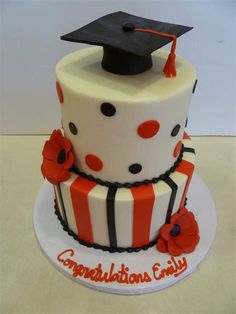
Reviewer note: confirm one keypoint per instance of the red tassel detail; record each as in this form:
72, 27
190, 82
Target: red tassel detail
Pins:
169, 68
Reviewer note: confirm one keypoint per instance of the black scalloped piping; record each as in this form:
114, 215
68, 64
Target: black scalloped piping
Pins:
127, 184
98, 246
185, 201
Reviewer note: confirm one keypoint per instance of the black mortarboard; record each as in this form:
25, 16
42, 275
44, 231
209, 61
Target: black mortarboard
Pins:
128, 41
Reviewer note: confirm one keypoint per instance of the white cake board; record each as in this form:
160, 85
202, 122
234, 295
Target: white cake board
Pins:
54, 240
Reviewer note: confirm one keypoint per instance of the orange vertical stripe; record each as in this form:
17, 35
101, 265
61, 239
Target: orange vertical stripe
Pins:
79, 190
186, 168
144, 198
186, 136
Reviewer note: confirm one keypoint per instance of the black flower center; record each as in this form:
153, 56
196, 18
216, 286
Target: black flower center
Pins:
175, 230
61, 156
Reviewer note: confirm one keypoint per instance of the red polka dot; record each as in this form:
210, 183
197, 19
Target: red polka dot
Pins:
148, 129
177, 149
59, 92
94, 162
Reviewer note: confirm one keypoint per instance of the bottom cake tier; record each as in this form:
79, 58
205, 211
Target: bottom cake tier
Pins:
120, 219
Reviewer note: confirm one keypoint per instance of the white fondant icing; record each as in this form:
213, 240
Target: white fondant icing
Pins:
187, 143
98, 214
124, 217
65, 190
58, 199
189, 157
137, 98
180, 179
162, 192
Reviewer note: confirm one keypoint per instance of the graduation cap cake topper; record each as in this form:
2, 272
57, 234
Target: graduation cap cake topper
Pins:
128, 41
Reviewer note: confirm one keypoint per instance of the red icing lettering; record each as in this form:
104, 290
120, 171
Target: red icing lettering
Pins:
64, 252
176, 268
121, 273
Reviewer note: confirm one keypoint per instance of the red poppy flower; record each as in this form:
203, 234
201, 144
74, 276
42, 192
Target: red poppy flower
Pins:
57, 158
181, 235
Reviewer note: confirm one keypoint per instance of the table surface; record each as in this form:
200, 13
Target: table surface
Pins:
30, 284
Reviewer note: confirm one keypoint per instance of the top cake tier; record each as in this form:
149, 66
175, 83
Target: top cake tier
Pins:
123, 128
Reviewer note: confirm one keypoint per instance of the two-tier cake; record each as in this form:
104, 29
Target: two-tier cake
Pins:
122, 162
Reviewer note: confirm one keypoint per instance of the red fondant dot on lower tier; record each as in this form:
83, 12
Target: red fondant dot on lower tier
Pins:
177, 149
148, 129
94, 162
59, 92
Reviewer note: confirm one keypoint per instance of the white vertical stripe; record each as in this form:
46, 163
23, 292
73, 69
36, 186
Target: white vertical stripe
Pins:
98, 214
189, 157
65, 191
58, 200
162, 196
124, 217
180, 179
187, 143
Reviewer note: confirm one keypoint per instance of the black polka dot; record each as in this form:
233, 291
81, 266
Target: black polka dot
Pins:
108, 109
175, 130
135, 168
73, 128
186, 123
